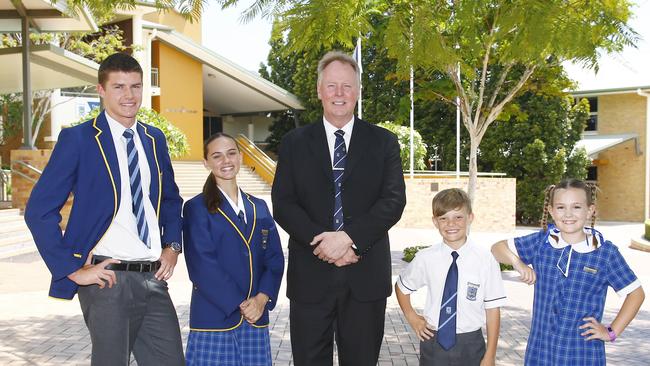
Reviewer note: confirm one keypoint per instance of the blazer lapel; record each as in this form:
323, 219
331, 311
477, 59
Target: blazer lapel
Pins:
319, 148
107, 148
251, 216
358, 144
148, 143
231, 216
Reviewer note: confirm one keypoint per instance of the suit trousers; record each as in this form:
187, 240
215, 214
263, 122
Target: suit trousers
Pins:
357, 326
135, 315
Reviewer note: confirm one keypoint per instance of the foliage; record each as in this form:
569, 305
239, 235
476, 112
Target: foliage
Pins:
176, 139
487, 49
534, 139
11, 112
410, 252
647, 229
403, 137
190, 9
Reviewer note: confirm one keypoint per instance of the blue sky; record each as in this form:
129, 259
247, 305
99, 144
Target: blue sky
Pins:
247, 45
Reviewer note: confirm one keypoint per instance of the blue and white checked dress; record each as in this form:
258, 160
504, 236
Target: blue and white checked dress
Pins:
561, 302
245, 345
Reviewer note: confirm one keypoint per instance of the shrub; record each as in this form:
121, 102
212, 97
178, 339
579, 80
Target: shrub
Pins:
403, 136
647, 229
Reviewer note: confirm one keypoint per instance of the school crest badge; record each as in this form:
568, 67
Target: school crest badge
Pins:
472, 290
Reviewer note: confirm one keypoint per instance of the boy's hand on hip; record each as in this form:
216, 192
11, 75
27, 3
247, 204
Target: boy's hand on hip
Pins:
95, 274
422, 329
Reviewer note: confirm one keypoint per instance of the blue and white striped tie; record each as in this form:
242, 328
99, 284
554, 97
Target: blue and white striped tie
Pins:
338, 168
447, 320
136, 188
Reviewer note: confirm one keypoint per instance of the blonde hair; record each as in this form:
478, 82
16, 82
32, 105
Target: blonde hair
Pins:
450, 199
332, 56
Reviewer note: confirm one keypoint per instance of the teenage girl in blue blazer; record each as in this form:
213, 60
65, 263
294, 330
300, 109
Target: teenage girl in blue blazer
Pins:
235, 262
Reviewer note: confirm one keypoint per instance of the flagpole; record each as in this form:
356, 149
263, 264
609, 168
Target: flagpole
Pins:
357, 52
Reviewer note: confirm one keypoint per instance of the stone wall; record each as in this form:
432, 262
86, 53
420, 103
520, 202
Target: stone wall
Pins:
21, 187
494, 206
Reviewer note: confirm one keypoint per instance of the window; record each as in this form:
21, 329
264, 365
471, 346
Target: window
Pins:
592, 174
592, 121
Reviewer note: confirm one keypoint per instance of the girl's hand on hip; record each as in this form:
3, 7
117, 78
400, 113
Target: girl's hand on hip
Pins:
594, 330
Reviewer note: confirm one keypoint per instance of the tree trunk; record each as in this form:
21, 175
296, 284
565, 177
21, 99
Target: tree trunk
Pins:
473, 170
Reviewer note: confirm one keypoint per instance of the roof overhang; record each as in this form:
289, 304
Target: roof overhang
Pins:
45, 16
594, 144
228, 88
597, 92
52, 67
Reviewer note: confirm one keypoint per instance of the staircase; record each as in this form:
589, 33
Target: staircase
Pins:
190, 177
15, 238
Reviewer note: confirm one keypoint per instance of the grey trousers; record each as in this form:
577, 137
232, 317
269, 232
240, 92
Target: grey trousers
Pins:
136, 315
468, 351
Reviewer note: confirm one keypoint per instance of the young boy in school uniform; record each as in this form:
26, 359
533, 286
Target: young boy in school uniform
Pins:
464, 289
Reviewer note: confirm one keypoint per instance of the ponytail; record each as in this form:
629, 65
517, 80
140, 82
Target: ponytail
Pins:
211, 194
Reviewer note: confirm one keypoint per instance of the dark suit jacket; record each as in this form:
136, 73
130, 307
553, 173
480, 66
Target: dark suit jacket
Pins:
373, 200
84, 162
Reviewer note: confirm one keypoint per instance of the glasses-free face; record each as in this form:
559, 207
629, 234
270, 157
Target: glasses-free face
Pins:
223, 159
571, 212
338, 91
122, 96
454, 226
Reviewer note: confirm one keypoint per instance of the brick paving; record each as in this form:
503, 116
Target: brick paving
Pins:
35, 330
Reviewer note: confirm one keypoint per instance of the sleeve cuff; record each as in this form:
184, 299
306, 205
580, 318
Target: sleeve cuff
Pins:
496, 302
404, 287
629, 288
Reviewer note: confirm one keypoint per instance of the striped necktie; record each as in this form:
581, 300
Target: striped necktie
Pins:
447, 320
136, 188
338, 167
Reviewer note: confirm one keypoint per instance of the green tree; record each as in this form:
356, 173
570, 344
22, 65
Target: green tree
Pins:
486, 49
403, 137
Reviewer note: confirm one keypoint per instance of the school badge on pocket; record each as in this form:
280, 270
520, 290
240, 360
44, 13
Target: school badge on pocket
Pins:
265, 237
472, 290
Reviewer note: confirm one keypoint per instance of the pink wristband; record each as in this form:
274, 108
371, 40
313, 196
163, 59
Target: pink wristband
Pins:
612, 334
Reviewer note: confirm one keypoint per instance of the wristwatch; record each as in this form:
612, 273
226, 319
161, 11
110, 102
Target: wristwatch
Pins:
612, 334
174, 246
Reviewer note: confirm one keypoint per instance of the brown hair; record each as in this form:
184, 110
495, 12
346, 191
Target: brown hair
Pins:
450, 199
332, 56
117, 62
590, 190
210, 191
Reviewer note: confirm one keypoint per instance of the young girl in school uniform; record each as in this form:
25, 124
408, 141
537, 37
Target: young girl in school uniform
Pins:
573, 266
235, 263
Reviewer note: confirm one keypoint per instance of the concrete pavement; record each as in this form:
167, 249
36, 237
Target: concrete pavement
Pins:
36, 330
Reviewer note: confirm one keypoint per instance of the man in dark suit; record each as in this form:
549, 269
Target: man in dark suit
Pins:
338, 189
122, 239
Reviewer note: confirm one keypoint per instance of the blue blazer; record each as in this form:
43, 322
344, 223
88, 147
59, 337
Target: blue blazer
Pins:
84, 163
228, 263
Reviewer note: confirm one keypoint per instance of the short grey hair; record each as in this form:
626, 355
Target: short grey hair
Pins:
332, 56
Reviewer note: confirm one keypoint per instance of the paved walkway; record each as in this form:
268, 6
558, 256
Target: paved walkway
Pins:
36, 330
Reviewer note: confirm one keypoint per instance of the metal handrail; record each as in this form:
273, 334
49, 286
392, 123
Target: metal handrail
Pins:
4, 184
29, 167
257, 159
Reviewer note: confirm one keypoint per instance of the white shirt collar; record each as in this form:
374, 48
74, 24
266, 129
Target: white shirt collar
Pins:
584, 246
330, 128
460, 250
240, 202
118, 127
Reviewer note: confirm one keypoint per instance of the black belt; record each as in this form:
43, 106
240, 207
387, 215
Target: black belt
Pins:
131, 266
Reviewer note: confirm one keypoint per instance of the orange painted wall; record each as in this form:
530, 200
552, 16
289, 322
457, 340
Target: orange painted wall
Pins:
181, 95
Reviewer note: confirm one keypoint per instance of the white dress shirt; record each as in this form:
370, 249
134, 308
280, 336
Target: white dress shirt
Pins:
121, 240
480, 285
331, 137
239, 206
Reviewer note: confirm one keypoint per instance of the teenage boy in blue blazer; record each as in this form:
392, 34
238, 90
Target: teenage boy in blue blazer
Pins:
122, 239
